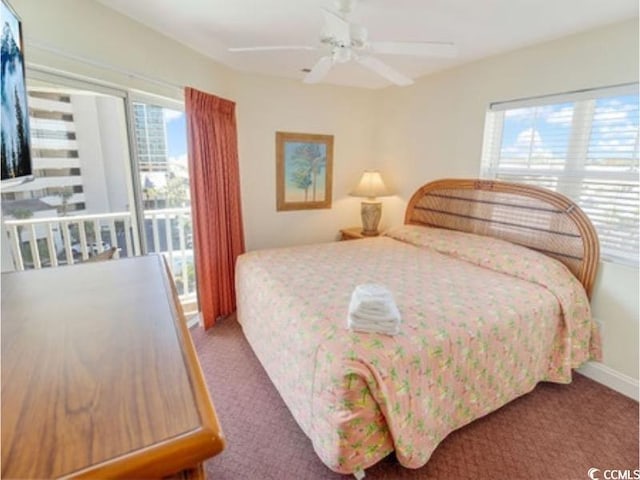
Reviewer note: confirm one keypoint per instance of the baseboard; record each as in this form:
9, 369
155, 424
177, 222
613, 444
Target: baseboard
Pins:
193, 320
611, 378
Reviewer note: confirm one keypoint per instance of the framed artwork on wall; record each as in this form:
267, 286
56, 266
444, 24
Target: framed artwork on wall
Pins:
304, 169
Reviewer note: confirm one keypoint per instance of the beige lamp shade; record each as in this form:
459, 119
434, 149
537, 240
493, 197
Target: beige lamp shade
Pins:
371, 186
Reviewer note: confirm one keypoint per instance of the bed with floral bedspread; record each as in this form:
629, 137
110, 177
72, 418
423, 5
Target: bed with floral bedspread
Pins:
483, 321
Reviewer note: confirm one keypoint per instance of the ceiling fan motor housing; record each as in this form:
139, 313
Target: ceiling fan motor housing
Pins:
345, 6
341, 54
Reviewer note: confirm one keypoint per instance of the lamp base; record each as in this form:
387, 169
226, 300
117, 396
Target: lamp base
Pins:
370, 213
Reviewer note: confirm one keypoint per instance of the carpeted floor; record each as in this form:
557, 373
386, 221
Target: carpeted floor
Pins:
555, 432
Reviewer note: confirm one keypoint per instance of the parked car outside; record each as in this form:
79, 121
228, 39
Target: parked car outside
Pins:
92, 249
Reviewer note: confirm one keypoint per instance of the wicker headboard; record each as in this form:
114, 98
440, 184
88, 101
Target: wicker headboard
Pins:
534, 217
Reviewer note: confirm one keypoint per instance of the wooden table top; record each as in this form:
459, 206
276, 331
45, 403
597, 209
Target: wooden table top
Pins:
99, 374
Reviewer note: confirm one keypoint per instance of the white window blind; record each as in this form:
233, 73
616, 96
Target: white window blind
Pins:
584, 145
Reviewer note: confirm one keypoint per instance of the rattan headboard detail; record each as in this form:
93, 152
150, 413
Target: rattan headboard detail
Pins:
534, 217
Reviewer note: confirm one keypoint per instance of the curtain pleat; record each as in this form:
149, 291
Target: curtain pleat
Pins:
215, 199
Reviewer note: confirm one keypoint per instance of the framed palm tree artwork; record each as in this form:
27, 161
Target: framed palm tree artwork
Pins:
304, 167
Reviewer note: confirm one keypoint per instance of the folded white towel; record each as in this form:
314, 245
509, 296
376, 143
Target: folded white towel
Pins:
372, 290
374, 306
389, 314
373, 309
393, 329
373, 301
372, 293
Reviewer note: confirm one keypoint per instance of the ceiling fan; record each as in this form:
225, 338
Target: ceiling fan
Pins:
344, 41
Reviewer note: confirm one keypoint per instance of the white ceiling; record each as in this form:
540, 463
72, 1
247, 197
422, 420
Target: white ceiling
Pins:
479, 28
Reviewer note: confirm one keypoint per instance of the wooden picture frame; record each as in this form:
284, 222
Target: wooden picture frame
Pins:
304, 171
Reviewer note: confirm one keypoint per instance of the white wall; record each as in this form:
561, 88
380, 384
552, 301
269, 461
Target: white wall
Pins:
92, 161
434, 129
87, 29
266, 105
115, 151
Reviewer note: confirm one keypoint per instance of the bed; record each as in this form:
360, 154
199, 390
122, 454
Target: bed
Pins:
492, 280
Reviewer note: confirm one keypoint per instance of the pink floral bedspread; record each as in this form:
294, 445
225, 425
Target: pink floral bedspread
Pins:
483, 321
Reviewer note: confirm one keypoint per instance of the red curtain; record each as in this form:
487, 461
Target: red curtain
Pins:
215, 200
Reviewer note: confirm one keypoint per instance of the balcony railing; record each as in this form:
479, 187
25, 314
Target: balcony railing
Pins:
50, 242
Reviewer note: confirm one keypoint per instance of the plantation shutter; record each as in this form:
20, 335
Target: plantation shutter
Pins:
584, 145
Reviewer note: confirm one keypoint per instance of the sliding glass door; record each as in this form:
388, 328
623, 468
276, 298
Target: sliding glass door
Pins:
80, 202
110, 173
159, 128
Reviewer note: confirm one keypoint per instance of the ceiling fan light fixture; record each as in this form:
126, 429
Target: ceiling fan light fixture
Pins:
358, 34
341, 54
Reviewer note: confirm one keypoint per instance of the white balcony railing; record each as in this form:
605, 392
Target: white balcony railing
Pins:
168, 231
50, 242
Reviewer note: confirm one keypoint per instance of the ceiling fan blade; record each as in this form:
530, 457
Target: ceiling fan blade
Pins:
384, 70
268, 48
420, 49
319, 70
335, 26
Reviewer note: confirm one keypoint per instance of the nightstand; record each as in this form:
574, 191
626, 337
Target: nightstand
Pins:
353, 233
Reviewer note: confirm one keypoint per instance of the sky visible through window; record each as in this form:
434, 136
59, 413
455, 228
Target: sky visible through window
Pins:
176, 123
543, 133
586, 149
615, 128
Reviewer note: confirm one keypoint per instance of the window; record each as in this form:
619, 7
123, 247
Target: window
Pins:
584, 145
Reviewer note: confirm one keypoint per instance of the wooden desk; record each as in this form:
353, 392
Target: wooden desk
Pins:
99, 375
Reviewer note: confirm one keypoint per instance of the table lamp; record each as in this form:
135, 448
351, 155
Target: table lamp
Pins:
370, 186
